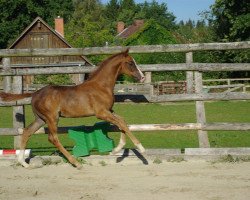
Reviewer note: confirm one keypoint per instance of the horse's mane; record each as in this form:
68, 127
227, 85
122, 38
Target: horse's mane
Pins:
103, 63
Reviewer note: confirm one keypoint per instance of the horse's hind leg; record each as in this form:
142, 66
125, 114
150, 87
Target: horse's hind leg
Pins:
53, 138
27, 132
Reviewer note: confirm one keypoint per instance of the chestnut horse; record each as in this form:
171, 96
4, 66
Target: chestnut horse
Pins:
93, 97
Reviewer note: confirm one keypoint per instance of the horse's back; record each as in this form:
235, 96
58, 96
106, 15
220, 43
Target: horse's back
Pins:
49, 98
72, 101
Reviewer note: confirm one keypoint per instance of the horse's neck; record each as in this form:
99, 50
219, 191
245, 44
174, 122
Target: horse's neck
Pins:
107, 75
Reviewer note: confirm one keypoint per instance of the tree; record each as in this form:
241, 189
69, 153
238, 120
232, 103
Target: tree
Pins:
127, 11
159, 13
231, 22
112, 10
200, 24
231, 19
127, 4
16, 15
88, 27
153, 33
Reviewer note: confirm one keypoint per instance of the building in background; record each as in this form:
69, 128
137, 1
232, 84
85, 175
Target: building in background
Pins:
40, 35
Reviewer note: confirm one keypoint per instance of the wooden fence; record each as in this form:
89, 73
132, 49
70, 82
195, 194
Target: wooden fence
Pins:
193, 74
227, 85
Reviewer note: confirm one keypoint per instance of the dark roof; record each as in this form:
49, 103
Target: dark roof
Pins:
51, 29
136, 26
43, 22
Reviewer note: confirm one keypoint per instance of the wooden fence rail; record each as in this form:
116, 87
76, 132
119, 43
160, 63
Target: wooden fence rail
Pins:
194, 82
149, 127
117, 49
168, 98
18, 70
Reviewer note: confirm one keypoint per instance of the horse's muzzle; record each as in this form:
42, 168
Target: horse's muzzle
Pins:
142, 79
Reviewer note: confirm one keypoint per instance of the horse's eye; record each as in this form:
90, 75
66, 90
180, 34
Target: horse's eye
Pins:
131, 65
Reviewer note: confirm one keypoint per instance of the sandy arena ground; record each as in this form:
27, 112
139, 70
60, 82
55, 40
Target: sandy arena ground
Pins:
127, 180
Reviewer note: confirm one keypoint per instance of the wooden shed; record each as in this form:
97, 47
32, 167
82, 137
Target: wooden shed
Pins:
40, 35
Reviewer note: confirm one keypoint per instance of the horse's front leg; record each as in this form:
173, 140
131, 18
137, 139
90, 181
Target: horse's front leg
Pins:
121, 124
122, 140
121, 144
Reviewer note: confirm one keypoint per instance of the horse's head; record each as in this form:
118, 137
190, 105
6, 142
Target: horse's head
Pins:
130, 68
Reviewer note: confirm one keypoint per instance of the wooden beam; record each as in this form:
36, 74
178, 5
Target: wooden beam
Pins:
167, 98
199, 97
7, 79
18, 111
217, 151
227, 126
64, 69
8, 131
150, 127
200, 112
117, 49
189, 74
166, 127
54, 70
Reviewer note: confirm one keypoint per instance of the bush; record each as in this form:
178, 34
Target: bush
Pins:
58, 79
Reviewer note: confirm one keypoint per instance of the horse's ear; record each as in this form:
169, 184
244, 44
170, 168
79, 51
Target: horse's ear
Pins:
126, 52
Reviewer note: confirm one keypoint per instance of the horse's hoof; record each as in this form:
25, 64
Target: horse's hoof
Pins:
79, 166
114, 152
25, 165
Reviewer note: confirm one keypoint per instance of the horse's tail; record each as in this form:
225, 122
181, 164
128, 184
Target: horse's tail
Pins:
13, 97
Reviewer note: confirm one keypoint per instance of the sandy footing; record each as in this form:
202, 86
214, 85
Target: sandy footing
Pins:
127, 180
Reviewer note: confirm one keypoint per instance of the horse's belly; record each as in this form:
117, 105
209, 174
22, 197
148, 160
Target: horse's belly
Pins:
80, 112
73, 108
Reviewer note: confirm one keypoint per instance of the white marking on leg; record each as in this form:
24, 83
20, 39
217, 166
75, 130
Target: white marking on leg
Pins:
21, 159
141, 148
119, 147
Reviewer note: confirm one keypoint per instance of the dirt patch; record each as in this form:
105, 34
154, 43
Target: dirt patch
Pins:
103, 180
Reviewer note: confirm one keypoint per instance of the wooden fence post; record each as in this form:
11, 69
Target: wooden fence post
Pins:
200, 112
148, 77
189, 74
18, 111
6, 79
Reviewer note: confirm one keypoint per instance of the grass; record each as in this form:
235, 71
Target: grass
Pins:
224, 111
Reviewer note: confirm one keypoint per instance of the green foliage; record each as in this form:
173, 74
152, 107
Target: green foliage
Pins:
153, 33
190, 32
89, 24
127, 4
158, 12
86, 32
112, 10
16, 15
87, 27
58, 79
231, 20
127, 11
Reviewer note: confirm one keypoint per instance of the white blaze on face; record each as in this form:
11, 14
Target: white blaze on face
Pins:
142, 75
